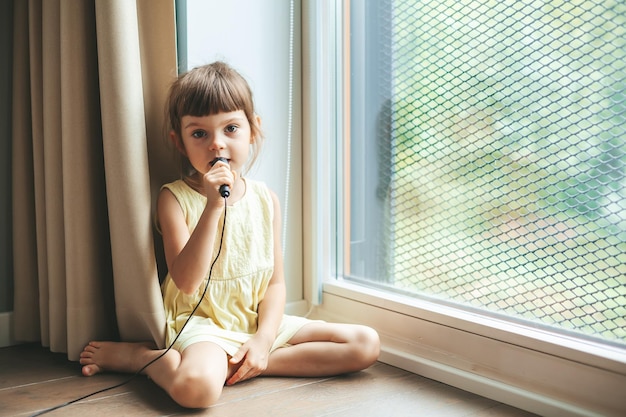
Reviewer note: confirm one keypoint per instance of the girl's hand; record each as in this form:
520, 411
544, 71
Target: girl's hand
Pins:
255, 355
218, 175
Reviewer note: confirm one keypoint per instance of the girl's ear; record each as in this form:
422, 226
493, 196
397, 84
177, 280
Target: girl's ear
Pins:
177, 142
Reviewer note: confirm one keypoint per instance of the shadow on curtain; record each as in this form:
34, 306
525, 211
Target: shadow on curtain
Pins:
90, 79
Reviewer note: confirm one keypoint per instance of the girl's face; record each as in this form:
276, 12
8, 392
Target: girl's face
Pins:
227, 135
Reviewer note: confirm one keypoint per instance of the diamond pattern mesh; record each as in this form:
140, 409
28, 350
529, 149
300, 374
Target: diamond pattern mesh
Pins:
510, 158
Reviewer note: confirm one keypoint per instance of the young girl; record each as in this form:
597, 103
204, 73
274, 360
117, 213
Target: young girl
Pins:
239, 330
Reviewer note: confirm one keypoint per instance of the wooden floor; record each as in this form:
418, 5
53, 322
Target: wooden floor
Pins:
33, 379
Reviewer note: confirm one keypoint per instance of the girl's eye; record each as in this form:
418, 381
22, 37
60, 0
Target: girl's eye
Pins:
198, 134
231, 128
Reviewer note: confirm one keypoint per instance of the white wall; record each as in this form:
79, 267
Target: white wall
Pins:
253, 36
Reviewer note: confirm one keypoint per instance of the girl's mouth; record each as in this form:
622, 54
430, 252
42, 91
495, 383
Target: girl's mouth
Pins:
219, 158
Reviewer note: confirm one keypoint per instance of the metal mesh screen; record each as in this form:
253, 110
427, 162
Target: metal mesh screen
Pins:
509, 159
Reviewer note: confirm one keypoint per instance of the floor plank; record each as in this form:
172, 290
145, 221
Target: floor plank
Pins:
32, 379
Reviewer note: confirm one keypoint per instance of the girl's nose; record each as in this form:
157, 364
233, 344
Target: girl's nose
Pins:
217, 142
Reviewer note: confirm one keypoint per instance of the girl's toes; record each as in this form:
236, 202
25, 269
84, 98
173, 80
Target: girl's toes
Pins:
90, 370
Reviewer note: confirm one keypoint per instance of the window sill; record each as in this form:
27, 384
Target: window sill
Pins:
528, 368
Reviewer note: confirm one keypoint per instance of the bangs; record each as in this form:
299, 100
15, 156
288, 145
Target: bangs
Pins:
211, 96
209, 90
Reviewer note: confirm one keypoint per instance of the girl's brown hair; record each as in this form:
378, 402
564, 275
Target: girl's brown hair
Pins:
208, 90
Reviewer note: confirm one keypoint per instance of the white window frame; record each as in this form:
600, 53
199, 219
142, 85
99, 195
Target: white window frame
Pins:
533, 369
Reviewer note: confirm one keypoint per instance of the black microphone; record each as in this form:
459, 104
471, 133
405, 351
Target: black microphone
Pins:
224, 189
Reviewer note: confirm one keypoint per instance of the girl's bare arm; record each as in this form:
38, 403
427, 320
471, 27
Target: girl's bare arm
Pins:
185, 253
272, 306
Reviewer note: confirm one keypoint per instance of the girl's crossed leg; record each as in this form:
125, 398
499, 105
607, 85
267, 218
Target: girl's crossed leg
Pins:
325, 349
193, 379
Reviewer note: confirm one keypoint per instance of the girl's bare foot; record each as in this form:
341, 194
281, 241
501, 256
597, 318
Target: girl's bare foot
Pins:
114, 356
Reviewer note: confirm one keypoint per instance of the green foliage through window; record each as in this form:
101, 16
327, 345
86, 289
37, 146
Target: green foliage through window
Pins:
508, 134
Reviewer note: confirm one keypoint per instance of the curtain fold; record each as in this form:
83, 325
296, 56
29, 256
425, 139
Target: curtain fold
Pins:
25, 253
82, 182
125, 142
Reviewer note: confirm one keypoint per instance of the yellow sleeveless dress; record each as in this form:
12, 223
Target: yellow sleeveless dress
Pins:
227, 316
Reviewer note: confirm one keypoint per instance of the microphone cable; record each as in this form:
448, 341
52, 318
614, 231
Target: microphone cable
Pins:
136, 374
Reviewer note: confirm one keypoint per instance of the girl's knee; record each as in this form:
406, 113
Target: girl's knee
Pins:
196, 390
367, 345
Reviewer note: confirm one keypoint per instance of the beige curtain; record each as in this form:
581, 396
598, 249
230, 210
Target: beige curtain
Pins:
89, 154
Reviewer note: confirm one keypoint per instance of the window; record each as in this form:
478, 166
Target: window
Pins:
488, 158
479, 215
